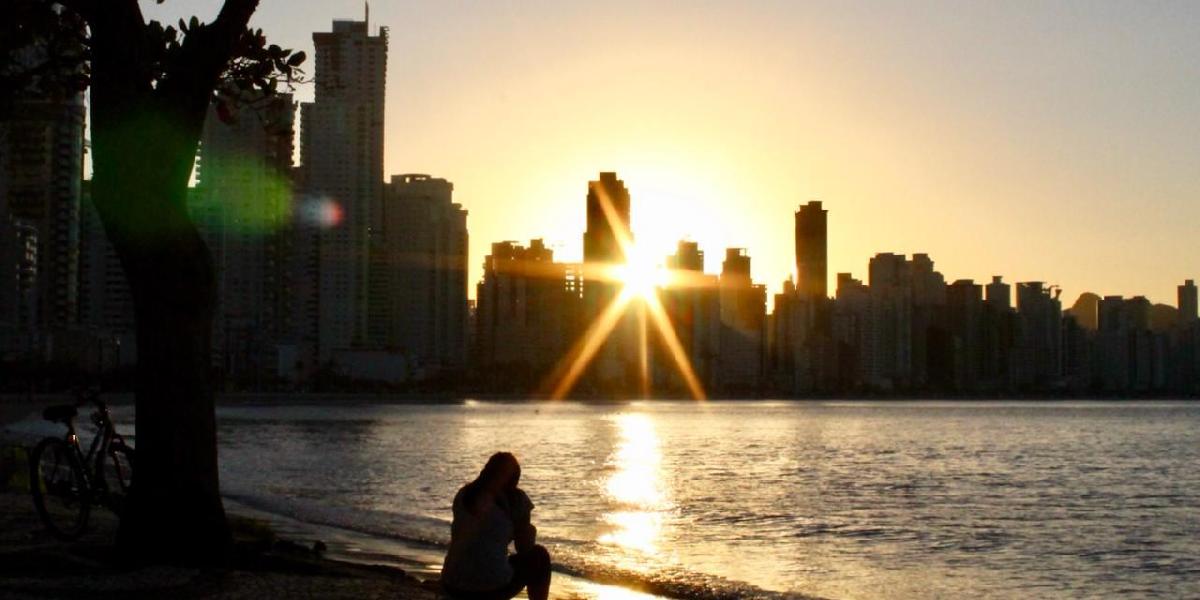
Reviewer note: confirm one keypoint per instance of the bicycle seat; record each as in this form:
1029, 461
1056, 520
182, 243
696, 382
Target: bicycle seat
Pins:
60, 413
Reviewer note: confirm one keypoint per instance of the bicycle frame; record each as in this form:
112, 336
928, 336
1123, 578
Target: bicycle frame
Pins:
101, 446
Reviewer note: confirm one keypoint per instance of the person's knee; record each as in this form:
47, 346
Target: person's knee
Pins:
539, 556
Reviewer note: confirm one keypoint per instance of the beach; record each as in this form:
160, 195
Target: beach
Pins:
33, 564
774, 499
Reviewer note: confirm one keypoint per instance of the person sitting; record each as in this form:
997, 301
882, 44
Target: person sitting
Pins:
490, 512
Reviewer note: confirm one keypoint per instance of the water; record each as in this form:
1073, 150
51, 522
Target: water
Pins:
757, 499
770, 499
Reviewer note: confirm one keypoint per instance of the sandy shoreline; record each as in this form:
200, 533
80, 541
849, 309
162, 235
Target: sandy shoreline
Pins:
35, 565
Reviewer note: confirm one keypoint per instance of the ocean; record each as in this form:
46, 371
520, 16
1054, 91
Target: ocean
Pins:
753, 499
765, 499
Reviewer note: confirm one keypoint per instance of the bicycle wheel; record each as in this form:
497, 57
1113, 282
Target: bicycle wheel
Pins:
117, 468
60, 489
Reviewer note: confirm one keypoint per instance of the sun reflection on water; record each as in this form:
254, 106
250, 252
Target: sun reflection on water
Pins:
600, 591
635, 489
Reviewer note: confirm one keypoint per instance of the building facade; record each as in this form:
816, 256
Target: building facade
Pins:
341, 155
812, 248
419, 273
243, 207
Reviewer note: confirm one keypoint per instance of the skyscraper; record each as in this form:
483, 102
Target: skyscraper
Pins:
242, 206
105, 300
341, 151
41, 165
743, 324
1187, 301
999, 294
608, 207
812, 251
1039, 335
18, 280
688, 257
694, 309
419, 272
527, 312
607, 220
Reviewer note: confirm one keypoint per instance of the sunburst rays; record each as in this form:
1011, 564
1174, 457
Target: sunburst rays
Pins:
640, 286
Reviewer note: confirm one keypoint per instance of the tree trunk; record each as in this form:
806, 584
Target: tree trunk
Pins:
145, 129
143, 153
174, 510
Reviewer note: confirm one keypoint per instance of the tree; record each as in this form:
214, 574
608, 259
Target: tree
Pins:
151, 88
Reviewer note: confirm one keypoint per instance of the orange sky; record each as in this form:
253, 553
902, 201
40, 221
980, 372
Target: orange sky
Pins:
1042, 141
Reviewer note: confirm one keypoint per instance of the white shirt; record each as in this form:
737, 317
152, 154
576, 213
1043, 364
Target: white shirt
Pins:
477, 560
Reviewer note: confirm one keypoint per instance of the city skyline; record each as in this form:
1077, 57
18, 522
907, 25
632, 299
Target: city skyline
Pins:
326, 272
1018, 161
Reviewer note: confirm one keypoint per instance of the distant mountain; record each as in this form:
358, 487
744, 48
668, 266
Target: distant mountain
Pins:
1163, 317
1086, 311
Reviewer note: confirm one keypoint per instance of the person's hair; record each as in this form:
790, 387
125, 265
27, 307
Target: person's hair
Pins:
499, 476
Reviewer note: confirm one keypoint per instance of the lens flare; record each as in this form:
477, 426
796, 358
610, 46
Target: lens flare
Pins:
323, 212
640, 279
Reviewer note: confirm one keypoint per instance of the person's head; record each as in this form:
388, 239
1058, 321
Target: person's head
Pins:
501, 473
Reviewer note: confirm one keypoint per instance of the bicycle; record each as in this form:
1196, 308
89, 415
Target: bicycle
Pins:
65, 482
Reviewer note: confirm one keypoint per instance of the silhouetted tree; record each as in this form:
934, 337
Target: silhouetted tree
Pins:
151, 87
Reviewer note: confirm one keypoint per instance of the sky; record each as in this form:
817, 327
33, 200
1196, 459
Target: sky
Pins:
1052, 141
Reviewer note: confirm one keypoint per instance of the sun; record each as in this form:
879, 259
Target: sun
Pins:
640, 276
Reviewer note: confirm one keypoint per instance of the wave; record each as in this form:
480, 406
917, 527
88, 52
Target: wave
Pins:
571, 557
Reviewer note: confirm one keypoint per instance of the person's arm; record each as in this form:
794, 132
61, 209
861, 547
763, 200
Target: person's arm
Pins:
524, 533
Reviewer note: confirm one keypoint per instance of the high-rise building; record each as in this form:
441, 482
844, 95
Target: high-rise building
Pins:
693, 307
242, 205
965, 315
527, 313
105, 300
419, 273
1039, 335
688, 257
608, 207
41, 166
341, 151
1187, 302
18, 282
851, 330
812, 251
743, 325
608, 225
8, 266
999, 294
888, 361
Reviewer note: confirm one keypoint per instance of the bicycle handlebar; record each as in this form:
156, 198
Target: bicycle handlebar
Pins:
88, 396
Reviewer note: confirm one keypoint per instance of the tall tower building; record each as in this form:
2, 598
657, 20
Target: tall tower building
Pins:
999, 294
242, 205
743, 324
688, 257
607, 220
105, 300
812, 251
341, 151
419, 273
18, 278
41, 169
608, 206
1187, 301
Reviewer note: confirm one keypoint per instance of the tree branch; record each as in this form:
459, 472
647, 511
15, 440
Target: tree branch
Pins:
232, 20
206, 51
84, 8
